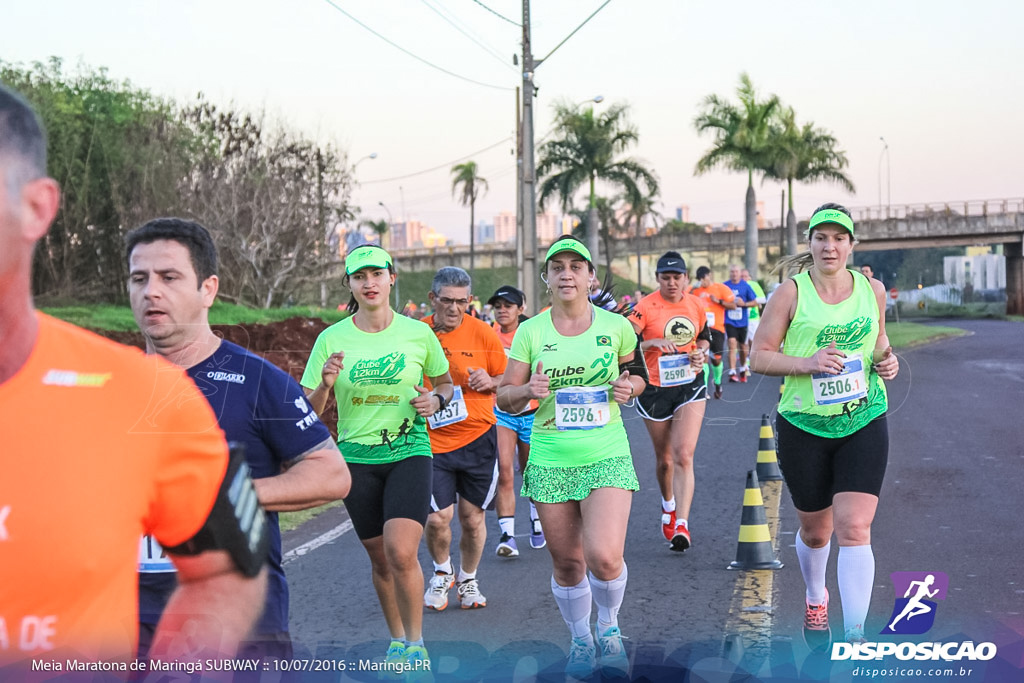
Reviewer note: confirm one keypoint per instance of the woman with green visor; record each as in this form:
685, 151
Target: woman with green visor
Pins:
833, 439
580, 362
373, 363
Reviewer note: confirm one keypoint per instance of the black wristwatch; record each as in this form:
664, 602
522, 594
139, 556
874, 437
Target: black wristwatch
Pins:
442, 402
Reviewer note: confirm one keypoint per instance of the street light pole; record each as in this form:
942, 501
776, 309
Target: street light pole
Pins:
391, 223
888, 177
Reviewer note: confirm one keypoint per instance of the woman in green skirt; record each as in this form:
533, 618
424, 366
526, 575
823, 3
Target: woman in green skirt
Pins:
579, 361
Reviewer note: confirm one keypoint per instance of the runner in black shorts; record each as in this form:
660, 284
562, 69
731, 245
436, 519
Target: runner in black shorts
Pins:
373, 363
833, 438
674, 336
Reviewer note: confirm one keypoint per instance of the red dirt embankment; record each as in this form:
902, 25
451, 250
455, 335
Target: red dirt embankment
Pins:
286, 344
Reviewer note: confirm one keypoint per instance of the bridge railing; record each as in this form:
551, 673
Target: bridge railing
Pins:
978, 207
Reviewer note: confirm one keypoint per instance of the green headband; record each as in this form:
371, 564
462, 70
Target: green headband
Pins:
830, 216
366, 257
569, 245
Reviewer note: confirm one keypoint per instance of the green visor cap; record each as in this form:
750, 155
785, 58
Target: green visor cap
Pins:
569, 245
830, 216
366, 257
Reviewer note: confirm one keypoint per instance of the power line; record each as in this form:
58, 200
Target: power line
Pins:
439, 166
544, 58
416, 57
488, 49
500, 16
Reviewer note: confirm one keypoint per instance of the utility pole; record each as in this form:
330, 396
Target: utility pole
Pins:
519, 194
529, 171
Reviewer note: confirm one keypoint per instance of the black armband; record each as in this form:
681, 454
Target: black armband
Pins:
636, 366
237, 522
705, 334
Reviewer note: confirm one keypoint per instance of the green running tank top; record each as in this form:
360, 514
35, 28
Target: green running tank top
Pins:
834, 406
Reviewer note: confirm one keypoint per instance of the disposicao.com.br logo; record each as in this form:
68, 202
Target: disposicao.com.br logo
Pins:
913, 613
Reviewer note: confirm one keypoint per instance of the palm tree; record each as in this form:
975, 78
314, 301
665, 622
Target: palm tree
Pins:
640, 206
742, 143
466, 176
588, 148
379, 227
804, 154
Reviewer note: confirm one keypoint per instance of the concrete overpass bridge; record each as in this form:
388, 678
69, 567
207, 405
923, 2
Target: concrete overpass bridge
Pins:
907, 226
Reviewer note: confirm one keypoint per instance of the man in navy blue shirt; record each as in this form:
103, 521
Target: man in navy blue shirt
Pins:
736, 322
294, 462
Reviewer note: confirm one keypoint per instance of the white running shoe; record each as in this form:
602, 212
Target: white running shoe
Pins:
436, 597
470, 595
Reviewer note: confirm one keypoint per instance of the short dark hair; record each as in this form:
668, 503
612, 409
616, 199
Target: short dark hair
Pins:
22, 141
702, 271
190, 234
832, 206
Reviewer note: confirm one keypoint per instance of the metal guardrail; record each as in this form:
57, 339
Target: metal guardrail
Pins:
975, 207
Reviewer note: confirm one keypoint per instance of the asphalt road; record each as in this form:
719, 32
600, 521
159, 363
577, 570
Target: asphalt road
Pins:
951, 503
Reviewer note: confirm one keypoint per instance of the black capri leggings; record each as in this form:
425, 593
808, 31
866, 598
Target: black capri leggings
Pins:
817, 468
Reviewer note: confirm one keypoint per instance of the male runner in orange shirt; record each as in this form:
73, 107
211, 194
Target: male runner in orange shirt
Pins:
717, 300
102, 445
463, 439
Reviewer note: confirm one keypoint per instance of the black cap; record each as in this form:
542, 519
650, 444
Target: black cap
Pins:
702, 271
509, 294
671, 263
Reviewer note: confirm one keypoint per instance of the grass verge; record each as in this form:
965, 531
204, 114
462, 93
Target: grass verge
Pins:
119, 317
292, 520
906, 335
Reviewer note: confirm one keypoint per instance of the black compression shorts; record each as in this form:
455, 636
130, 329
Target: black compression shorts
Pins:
816, 468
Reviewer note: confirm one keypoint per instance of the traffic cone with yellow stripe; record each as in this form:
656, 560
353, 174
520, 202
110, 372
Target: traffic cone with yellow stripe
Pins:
767, 462
755, 544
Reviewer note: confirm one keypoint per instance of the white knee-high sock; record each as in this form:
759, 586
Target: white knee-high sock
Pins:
574, 602
856, 578
813, 562
608, 598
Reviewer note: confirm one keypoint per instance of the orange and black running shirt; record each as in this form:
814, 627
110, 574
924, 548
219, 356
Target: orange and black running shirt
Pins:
716, 312
473, 344
681, 322
102, 444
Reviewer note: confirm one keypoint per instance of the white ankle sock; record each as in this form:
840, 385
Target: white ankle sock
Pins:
507, 525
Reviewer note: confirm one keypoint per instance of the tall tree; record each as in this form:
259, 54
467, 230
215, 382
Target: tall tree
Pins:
379, 228
641, 205
742, 143
804, 154
467, 184
586, 148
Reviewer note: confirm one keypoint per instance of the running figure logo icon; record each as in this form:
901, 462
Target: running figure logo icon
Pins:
914, 612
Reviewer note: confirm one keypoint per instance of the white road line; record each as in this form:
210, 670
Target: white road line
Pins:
323, 539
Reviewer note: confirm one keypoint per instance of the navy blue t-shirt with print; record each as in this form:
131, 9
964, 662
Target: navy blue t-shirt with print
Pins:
261, 406
738, 317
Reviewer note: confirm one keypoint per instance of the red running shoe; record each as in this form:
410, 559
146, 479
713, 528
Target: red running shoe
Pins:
668, 524
680, 537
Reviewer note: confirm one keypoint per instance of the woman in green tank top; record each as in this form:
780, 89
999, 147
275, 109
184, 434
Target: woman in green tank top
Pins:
581, 363
824, 330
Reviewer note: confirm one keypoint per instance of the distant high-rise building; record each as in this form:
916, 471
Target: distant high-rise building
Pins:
505, 227
484, 232
548, 227
683, 213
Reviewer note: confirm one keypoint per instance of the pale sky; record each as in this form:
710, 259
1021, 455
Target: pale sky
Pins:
939, 79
